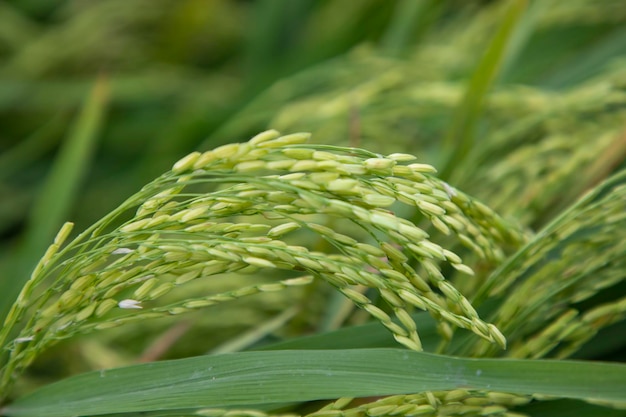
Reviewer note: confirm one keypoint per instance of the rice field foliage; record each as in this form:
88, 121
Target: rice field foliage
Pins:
456, 208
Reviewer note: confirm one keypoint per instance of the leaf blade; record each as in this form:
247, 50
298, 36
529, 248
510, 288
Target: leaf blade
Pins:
460, 138
58, 192
255, 378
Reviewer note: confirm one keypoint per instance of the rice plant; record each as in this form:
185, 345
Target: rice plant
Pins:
447, 241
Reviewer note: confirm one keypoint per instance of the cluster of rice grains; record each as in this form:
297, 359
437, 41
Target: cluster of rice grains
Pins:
298, 185
235, 208
429, 404
547, 285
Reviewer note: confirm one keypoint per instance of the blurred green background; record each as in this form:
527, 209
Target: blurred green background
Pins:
99, 97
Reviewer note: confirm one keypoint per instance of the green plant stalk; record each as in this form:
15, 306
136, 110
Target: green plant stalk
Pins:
54, 200
460, 139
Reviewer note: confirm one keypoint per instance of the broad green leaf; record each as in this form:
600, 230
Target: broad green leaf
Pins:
251, 379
